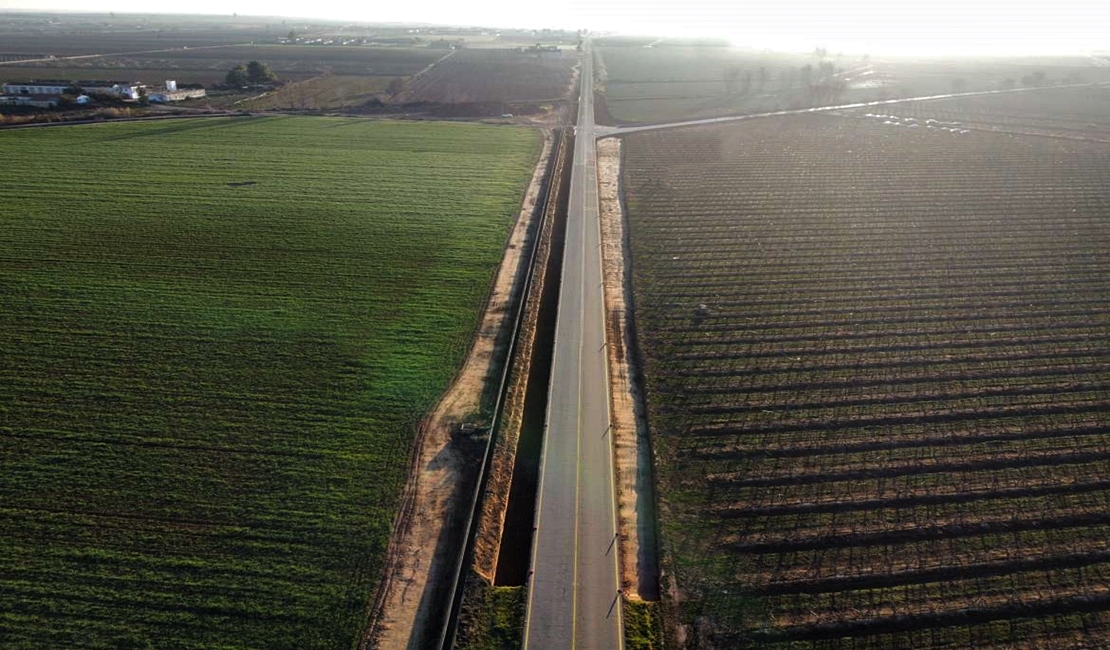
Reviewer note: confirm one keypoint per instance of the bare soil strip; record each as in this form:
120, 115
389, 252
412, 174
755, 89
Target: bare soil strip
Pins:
419, 557
636, 501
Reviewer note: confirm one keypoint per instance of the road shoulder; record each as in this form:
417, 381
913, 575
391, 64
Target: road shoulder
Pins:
636, 512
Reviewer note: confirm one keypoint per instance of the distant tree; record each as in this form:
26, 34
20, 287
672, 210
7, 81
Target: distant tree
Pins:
732, 75
823, 84
1039, 78
259, 73
143, 99
1007, 84
237, 76
292, 36
395, 86
807, 75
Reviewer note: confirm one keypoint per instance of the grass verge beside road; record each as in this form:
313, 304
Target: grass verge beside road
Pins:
493, 619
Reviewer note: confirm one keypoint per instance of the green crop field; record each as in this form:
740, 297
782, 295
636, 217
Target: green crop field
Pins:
217, 337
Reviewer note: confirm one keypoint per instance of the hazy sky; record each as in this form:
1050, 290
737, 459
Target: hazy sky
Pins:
919, 26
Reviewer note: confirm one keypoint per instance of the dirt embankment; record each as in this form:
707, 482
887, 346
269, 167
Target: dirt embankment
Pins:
492, 519
443, 475
635, 489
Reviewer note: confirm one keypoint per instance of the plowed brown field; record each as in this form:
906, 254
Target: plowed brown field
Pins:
877, 366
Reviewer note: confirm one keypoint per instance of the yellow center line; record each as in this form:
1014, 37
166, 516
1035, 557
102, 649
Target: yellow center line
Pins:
578, 441
578, 405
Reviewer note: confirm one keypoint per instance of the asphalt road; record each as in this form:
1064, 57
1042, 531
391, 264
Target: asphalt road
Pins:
573, 592
573, 597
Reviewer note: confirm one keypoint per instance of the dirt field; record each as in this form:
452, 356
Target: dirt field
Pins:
325, 92
639, 561
418, 559
876, 367
495, 82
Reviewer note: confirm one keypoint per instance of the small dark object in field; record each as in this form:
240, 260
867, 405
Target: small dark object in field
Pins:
243, 184
701, 313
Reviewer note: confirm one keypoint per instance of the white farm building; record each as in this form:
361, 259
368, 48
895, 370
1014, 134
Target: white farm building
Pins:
121, 89
37, 87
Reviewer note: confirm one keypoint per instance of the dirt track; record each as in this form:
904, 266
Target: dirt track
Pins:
639, 562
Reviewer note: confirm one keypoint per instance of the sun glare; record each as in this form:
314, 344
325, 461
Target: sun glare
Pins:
939, 33
932, 28
935, 28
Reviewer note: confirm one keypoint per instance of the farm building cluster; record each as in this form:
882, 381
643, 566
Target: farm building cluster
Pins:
49, 93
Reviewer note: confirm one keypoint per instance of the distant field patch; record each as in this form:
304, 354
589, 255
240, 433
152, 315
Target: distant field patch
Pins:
325, 92
153, 73
210, 65
660, 82
98, 38
673, 82
293, 60
497, 76
217, 338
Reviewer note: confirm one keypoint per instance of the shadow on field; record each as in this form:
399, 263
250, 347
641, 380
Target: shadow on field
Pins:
432, 610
